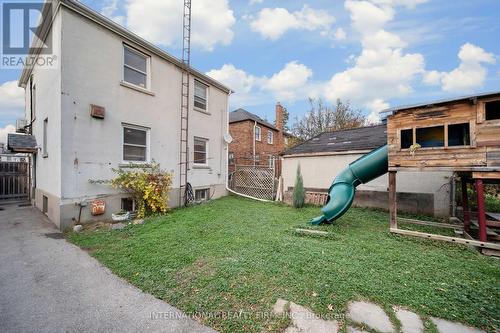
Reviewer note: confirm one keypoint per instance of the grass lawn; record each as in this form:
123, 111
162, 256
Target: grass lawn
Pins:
234, 254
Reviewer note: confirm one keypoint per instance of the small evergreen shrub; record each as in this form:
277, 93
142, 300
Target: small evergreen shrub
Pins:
299, 193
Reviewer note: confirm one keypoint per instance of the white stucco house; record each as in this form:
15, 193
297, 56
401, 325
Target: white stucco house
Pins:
326, 155
113, 98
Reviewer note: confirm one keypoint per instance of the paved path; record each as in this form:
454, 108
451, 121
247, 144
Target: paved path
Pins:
50, 285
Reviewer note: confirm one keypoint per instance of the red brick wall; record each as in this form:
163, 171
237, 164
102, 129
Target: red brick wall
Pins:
242, 145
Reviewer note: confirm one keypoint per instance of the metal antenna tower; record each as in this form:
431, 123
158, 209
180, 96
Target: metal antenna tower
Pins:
185, 93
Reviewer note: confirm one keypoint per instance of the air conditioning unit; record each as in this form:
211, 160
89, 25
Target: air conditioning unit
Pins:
20, 125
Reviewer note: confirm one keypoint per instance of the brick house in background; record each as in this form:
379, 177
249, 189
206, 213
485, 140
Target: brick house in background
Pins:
255, 141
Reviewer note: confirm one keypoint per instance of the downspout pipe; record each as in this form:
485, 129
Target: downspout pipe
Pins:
341, 192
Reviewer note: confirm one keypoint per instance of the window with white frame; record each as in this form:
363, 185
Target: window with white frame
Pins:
270, 137
200, 95
135, 143
201, 195
200, 151
135, 67
258, 130
271, 161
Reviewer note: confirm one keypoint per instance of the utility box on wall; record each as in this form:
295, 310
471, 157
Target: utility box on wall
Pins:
97, 111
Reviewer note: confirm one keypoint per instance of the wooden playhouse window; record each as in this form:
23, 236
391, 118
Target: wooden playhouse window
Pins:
430, 136
459, 134
406, 138
492, 110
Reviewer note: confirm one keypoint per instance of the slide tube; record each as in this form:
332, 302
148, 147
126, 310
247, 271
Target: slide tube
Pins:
342, 191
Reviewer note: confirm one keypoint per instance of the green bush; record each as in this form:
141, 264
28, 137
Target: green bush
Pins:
299, 194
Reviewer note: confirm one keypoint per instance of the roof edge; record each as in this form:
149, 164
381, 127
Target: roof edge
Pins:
96, 17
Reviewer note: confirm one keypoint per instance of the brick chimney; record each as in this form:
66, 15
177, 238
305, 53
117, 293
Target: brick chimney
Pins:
279, 116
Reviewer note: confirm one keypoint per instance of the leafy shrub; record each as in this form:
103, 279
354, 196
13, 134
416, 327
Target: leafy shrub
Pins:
149, 185
299, 193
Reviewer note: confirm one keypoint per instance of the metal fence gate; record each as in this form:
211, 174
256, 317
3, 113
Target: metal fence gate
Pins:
14, 181
254, 181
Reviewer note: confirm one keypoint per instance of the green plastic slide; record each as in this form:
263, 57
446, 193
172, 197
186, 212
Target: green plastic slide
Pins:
343, 188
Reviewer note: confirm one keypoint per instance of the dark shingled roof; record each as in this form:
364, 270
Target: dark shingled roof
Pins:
22, 143
440, 101
362, 138
242, 115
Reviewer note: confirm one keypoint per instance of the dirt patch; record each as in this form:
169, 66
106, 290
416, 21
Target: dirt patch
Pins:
202, 266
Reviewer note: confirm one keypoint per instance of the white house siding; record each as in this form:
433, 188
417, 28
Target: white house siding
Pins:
319, 172
92, 67
48, 105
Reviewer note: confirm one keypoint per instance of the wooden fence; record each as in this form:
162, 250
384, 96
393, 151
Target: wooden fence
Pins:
14, 180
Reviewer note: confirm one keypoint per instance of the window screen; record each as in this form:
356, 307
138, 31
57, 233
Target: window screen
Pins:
200, 151
200, 95
135, 67
134, 144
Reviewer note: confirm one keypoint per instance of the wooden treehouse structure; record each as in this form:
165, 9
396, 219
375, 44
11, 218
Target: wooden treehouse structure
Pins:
460, 135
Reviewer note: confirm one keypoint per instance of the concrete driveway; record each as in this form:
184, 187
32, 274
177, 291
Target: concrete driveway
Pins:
50, 285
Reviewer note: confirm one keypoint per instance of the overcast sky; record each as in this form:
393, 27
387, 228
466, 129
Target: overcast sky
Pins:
375, 53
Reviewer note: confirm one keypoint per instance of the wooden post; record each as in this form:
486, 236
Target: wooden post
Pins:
465, 204
393, 205
481, 213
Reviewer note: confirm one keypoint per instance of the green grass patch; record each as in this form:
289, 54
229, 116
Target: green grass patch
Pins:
235, 255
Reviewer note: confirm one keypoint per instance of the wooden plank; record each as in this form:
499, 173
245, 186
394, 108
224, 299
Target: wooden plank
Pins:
495, 216
457, 240
311, 231
486, 175
393, 205
430, 223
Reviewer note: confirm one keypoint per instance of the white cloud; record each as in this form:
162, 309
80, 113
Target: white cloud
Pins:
382, 70
469, 74
288, 84
109, 8
253, 2
11, 101
339, 34
160, 21
272, 23
4, 131
375, 106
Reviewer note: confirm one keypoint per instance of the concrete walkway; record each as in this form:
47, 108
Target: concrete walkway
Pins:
50, 285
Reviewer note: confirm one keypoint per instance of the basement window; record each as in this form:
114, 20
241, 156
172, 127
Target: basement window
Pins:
45, 204
128, 204
430, 136
459, 135
492, 110
201, 195
406, 138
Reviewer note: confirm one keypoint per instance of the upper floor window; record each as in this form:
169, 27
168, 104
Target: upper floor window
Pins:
430, 136
200, 151
269, 137
257, 133
135, 143
200, 95
492, 110
135, 67
459, 134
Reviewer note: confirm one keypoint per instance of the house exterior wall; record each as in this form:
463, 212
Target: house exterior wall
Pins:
319, 172
243, 143
88, 148
47, 100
